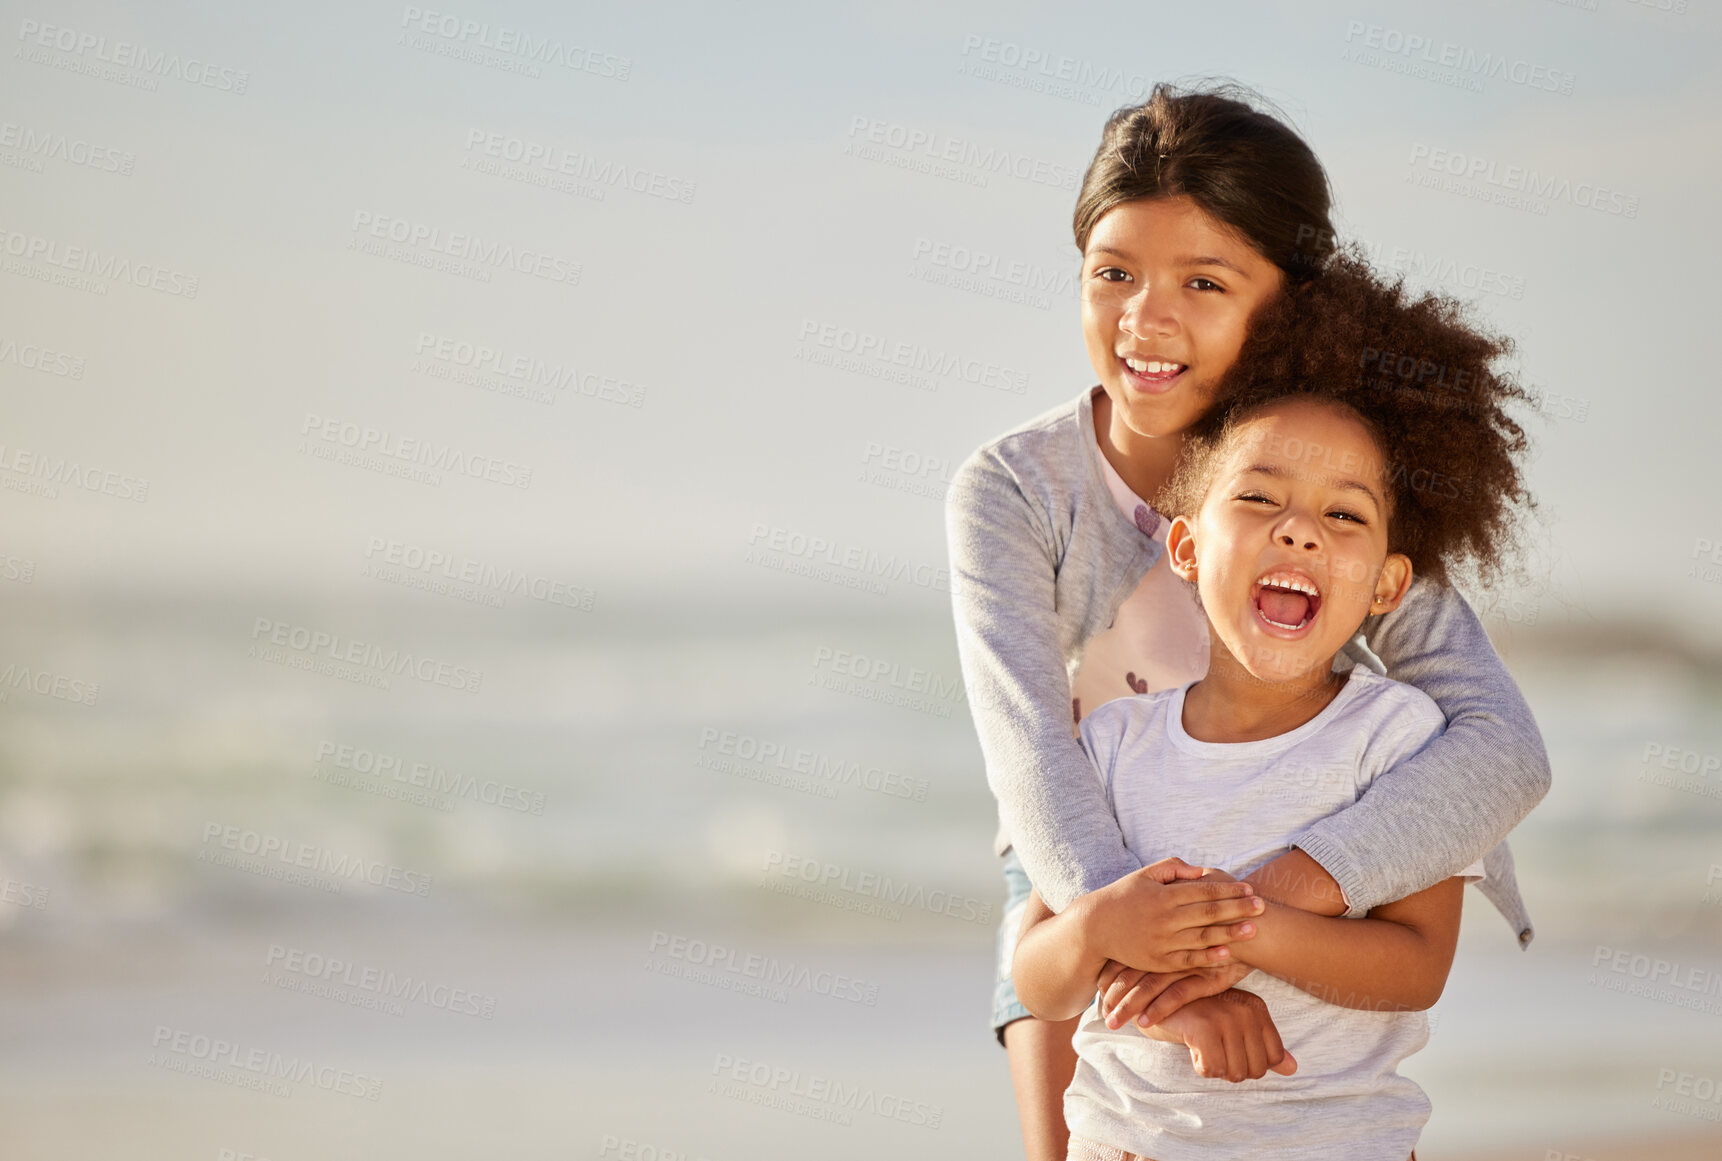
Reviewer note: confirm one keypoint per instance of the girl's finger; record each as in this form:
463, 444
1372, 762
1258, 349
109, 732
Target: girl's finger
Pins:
1237, 1056
1279, 1060
1256, 1052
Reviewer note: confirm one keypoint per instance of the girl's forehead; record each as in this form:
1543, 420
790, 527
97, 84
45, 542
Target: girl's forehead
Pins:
1145, 221
1305, 435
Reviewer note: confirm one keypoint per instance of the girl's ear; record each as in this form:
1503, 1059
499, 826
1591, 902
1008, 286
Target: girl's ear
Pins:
1392, 584
1181, 547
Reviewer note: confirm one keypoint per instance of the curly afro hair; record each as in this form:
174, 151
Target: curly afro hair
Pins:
1422, 376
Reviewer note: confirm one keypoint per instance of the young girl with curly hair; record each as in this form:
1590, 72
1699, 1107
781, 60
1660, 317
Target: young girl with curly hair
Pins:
1309, 502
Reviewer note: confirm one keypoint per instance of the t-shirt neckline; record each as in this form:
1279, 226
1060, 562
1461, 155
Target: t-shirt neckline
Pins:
1261, 747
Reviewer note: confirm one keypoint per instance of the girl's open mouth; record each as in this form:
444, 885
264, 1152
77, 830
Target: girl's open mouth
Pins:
1154, 376
1287, 601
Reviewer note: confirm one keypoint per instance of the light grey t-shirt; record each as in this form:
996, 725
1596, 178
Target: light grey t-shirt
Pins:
1236, 805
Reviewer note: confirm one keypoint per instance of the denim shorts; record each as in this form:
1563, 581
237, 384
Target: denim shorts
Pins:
1006, 1007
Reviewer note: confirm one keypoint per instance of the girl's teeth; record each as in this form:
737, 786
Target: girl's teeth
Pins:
1151, 366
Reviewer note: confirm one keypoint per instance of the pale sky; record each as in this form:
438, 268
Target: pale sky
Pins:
791, 235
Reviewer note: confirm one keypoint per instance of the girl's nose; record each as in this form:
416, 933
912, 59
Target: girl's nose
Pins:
1148, 314
1296, 529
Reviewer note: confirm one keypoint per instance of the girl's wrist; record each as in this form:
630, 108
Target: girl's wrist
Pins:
1087, 929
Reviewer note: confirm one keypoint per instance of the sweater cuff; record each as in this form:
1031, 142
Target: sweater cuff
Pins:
1337, 863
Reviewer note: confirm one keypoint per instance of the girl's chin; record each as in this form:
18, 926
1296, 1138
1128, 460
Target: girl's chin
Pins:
1154, 416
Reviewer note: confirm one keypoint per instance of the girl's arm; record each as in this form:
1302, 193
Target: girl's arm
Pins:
1442, 809
1231, 1034
1058, 958
1055, 967
1003, 575
1395, 959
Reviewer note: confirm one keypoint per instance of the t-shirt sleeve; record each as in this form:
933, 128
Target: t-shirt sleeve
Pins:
1405, 720
1101, 733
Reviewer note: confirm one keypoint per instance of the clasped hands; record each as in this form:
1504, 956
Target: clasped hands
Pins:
1185, 995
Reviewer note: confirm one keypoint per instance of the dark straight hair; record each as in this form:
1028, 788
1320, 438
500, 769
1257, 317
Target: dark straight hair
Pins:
1245, 167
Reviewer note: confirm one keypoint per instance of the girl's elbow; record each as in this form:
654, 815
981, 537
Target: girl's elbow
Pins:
1428, 994
1535, 777
1541, 777
1040, 1005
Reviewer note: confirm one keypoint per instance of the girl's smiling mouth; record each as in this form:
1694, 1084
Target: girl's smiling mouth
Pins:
1152, 376
1286, 601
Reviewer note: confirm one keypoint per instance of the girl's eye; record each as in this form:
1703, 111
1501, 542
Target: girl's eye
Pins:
1205, 284
1255, 497
1348, 516
1104, 274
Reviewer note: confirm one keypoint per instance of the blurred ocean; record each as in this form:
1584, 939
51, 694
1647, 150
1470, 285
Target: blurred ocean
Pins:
584, 852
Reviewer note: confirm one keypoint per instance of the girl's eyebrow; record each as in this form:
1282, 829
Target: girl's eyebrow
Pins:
1214, 261
1195, 260
1345, 483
